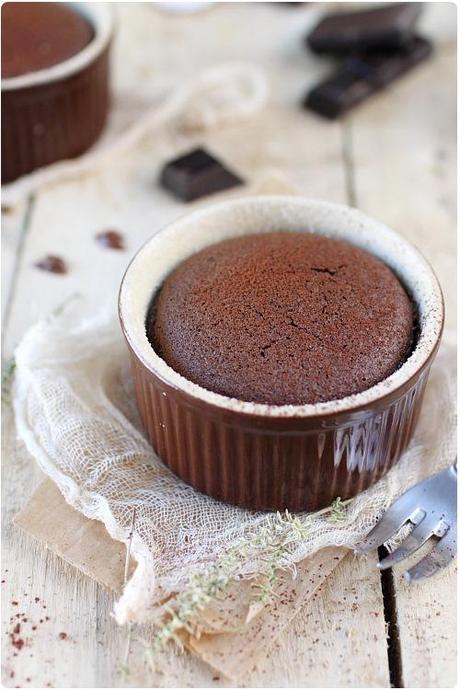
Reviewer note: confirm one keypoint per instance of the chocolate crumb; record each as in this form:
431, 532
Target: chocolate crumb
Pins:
6, 209
14, 603
37, 599
12, 674
52, 264
111, 239
62, 636
17, 629
18, 643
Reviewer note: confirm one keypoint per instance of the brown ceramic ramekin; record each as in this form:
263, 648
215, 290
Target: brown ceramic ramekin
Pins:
270, 457
58, 112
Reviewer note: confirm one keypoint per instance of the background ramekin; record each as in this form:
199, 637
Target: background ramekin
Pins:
270, 457
58, 112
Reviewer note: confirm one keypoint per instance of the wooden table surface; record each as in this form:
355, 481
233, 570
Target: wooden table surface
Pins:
395, 158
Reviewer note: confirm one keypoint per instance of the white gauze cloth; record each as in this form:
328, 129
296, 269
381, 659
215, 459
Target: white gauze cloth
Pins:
75, 410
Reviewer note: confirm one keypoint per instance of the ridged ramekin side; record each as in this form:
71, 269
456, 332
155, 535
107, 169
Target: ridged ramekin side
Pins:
273, 465
53, 121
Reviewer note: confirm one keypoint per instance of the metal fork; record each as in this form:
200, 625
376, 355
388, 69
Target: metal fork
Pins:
431, 508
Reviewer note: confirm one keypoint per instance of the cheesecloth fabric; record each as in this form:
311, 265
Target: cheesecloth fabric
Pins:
75, 411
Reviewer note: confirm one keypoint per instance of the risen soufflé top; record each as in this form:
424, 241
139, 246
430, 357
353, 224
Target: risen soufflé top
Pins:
37, 35
282, 318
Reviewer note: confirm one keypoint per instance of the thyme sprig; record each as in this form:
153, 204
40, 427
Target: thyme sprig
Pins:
338, 510
270, 545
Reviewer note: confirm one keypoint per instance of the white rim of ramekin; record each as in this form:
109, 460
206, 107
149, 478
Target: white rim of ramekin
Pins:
191, 232
101, 17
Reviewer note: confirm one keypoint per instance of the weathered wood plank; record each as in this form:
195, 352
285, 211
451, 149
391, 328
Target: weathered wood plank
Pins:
338, 641
125, 197
427, 621
42, 595
403, 147
14, 226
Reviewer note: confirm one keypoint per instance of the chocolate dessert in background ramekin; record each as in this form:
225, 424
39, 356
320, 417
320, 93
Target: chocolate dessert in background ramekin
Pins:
283, 456
55, 82
37, 35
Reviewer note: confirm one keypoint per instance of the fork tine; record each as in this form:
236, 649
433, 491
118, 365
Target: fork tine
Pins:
419, 535
440, 556
396, 516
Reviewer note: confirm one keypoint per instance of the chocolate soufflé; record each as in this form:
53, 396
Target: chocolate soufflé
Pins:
282, 318
38, 35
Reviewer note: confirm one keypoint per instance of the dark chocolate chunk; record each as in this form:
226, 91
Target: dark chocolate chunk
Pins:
110, 239
361, 76
197, 174
52, 264
384, 28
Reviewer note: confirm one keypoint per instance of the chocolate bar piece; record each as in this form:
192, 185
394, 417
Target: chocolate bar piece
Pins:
383, 28
197, 174
361, 76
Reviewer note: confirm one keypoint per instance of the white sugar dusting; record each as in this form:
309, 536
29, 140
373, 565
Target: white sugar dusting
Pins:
252, 215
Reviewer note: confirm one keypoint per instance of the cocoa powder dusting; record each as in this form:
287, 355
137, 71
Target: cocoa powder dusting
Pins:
17, 642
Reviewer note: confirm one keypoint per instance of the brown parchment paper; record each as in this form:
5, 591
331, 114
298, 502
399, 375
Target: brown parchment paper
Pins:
83, 543
232, 648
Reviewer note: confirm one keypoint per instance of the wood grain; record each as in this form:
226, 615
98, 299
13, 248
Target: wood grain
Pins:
414, 191
394, 158
84, 544
14, 226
